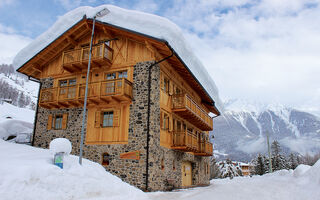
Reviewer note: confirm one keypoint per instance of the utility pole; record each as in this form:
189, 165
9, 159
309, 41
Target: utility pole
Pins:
270, 160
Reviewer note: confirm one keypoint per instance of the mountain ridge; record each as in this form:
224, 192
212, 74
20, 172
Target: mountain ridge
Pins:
241, 131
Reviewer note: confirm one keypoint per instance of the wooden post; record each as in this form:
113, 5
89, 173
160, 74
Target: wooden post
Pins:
122, 86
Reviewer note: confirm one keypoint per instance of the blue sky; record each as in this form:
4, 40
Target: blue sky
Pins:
260, 50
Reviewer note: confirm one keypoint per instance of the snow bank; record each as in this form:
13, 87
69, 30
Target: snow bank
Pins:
12, 127
300, 170
14, 112
148, 24
28, 173
60, 145
314, 173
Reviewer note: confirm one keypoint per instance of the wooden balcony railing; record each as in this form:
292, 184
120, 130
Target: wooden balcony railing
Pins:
98, 92
185, 141
77, 59
183, 105
191, 142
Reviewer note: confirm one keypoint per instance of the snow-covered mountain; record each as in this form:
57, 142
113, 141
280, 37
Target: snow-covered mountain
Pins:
240, 133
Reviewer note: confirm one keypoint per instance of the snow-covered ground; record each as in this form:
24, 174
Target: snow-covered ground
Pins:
28, 173
281, 185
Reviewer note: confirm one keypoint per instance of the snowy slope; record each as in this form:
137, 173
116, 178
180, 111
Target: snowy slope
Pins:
241, 132
148, 24
28, 173
29, 88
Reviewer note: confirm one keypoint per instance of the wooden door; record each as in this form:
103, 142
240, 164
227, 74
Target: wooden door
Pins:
186, 174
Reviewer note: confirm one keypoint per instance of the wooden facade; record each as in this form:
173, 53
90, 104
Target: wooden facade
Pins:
184, 109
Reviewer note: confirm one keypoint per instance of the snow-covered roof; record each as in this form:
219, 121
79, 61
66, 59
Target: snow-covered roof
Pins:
148, 24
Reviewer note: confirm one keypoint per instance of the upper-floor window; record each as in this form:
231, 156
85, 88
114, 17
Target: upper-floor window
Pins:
166, 85
67, 82
107, 119
123, 74
110, 76
65, 90
164, 121
114, 75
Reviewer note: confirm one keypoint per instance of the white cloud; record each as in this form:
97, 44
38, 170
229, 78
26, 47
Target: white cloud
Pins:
69, 4
259, 50
10, 44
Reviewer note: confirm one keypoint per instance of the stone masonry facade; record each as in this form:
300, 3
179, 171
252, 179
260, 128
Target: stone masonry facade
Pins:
130, 171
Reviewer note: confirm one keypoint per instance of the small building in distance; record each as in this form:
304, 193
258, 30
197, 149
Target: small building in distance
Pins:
153, 145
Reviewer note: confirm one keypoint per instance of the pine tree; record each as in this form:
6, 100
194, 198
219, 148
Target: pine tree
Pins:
292, 161
214, 169
278, 160
259, 165
22, 100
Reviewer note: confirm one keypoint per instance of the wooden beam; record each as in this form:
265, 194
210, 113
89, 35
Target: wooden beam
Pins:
72, 41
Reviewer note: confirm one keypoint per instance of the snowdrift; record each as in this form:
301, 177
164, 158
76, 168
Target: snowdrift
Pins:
28, 173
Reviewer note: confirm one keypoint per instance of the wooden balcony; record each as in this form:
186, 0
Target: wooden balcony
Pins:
184, 106
77, 59
116, 90
191, 142
205, 148
185, 141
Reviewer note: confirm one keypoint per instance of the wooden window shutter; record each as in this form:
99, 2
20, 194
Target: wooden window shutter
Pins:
97, 120
64, 120
116, 117
49, 125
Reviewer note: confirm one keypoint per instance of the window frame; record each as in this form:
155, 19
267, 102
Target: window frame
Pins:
60, 117
107, 125
107, 161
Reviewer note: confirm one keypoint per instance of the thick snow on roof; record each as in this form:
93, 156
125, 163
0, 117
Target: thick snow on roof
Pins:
144, 23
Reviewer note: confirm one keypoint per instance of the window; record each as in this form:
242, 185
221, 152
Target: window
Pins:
165, 121
111, 76
114, 75
107, 119
58, 122
123, 74
65, 91
166, 85
105, 159
67, 82
178, 128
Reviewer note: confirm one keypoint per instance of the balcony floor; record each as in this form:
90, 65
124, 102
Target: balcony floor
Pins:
192, 118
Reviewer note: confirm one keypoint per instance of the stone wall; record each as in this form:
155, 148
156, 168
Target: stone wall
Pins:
131, 171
